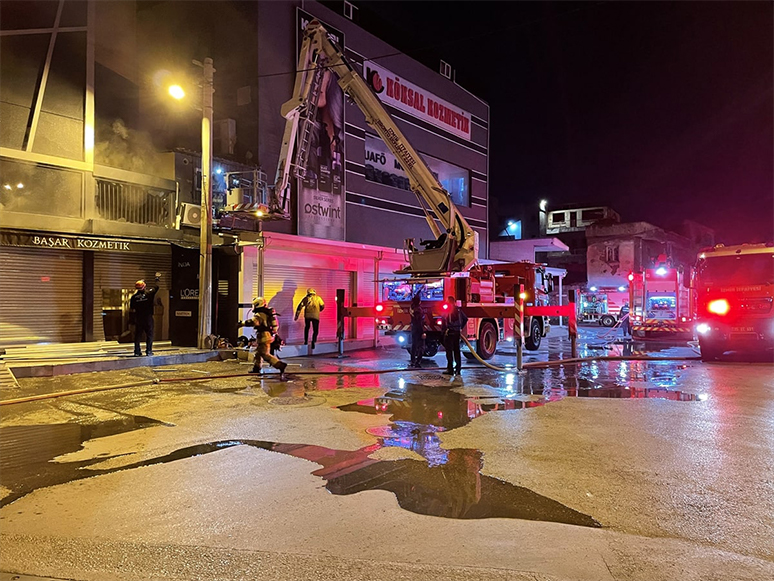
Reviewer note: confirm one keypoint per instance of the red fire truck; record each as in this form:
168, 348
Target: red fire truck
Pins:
480, 292
602, 304
660, 304
734, 289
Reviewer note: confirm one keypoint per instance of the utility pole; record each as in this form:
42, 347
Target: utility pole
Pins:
205, 233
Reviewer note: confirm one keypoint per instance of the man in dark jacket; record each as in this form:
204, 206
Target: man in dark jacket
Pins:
454, 324
141, 308
417, 330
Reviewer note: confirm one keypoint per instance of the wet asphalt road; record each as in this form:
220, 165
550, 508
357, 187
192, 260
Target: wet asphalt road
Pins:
609, 470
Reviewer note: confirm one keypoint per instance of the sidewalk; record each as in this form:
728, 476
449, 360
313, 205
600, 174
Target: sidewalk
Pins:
51, 360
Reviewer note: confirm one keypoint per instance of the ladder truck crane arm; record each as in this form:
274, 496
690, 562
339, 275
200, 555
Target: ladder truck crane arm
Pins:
455, 248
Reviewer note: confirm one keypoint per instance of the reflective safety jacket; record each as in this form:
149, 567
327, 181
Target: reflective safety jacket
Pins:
312, 305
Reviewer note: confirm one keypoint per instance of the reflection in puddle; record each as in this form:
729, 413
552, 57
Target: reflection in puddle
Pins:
455, 489
26, 452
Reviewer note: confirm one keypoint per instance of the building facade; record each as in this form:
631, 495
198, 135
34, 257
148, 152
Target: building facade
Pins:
91, 203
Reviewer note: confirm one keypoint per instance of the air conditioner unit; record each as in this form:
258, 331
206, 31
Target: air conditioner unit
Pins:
190, 215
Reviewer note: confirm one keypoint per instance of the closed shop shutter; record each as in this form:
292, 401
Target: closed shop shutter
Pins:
114, 278
42, 295
285, 287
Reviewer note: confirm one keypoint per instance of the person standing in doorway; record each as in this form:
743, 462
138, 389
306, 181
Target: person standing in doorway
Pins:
141, 310
417, 330
454, 324
312, 305
265, 326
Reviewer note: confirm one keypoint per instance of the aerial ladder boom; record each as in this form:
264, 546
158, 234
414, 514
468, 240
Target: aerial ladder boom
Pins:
455, 247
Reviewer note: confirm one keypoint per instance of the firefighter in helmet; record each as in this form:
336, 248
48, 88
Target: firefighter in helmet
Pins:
265, 326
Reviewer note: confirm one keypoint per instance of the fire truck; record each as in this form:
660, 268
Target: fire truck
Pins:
660, 304
602, 305
481, 292
734, 288
447, 264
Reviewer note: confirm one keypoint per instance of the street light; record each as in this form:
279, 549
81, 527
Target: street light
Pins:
205, 228
177, 92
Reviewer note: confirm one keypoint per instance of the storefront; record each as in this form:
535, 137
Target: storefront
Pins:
68, 288
289, 265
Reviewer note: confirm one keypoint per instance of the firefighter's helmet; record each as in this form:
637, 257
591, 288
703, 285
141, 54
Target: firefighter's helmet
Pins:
259, 302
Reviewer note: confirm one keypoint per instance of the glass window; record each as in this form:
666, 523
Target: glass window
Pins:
404, 291
37, 189
558, 217
383, 168
742, 269
661, 306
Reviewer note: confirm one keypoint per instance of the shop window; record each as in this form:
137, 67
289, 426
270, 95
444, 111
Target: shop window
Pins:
383, 168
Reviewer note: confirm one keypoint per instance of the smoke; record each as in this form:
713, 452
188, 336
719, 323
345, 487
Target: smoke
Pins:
124, 148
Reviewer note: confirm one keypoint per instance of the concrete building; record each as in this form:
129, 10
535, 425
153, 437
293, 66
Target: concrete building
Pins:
569, 225
89, 205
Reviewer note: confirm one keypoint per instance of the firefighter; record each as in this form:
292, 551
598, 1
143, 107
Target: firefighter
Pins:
417, 330
141, 312
265, 326
453, 325
313, 305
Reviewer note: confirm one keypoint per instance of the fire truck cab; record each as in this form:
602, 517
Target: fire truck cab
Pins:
660, 304
734, 288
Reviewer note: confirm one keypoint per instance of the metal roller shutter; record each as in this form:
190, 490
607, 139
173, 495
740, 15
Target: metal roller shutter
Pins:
121, 271
42, 294
285, 287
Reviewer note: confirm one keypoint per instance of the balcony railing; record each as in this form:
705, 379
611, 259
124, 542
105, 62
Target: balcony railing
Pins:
135, 204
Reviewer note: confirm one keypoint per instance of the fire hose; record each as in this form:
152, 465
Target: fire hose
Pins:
575, 360
531, 365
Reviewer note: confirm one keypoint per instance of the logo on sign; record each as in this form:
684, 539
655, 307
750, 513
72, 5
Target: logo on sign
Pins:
373, 79
189, 293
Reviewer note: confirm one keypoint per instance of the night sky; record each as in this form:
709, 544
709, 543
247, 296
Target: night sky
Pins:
662, 110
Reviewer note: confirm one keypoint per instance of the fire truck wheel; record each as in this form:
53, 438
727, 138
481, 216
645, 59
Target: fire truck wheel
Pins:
486, 346
607, 320
532, 340
431, 349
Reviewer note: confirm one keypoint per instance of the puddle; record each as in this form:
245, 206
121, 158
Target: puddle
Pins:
447, 483
26, 451
454, 489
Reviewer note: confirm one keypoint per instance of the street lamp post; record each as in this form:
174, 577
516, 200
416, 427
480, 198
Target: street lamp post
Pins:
205, 233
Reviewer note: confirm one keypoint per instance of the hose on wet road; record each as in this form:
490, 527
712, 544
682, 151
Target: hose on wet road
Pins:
530, 365
574, 360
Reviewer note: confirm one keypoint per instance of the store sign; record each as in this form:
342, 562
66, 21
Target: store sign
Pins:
44, 240
416, 101
321, 203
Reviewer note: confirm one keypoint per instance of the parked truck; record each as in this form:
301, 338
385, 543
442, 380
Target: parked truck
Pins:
660, 303
734, 288
481, 292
